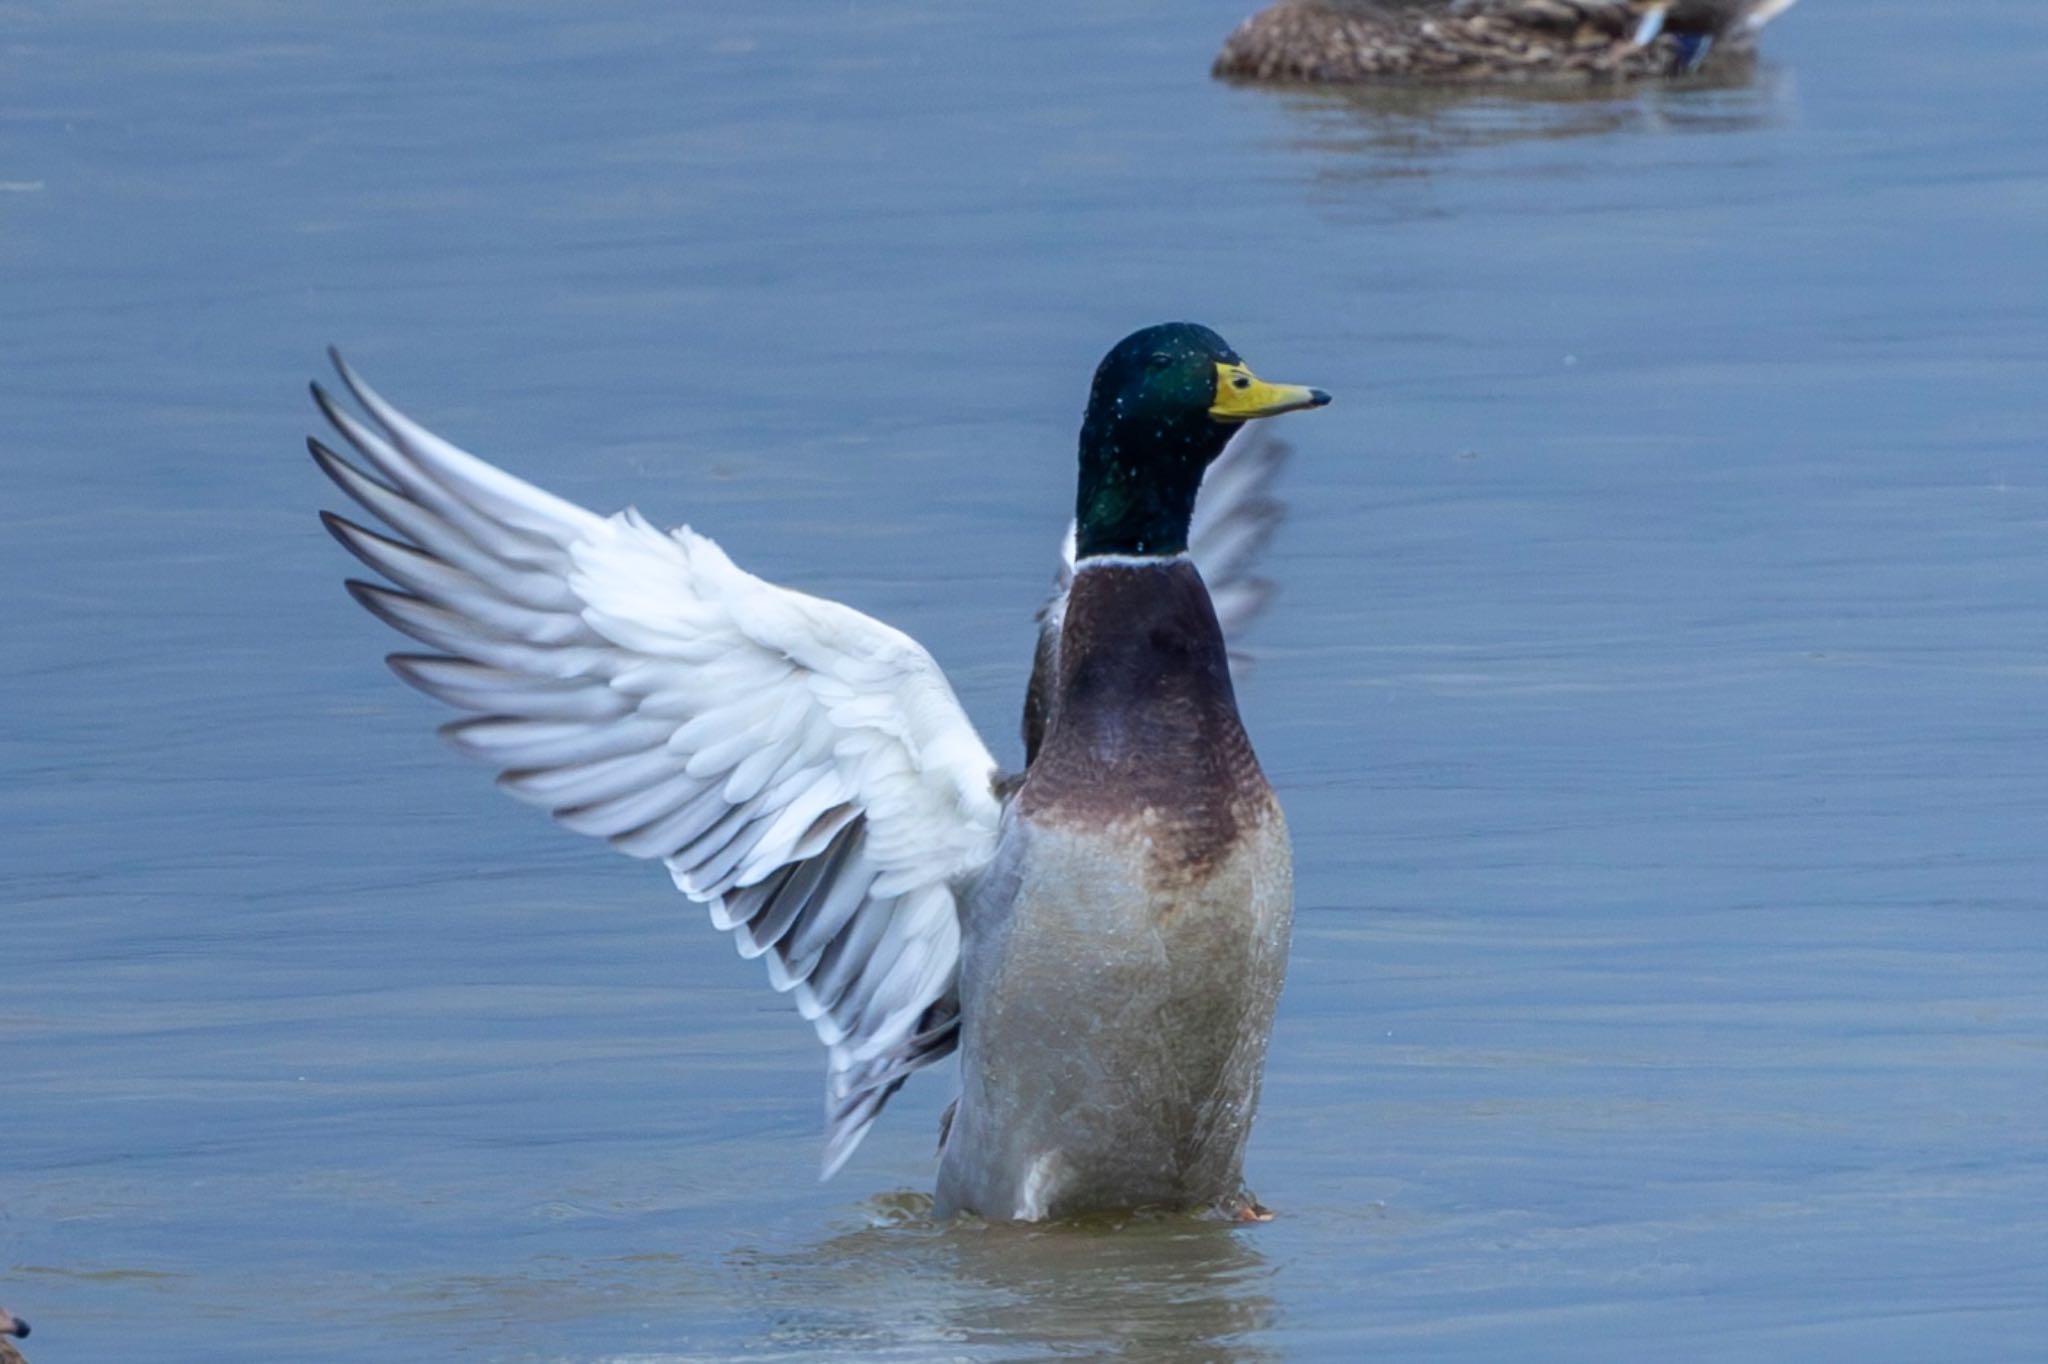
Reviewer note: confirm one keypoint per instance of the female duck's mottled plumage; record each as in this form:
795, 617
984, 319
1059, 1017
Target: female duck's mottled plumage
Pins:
11, 1325
1102, 939
1491, 41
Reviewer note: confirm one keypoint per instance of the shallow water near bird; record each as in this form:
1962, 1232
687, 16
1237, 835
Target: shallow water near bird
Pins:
1655, 685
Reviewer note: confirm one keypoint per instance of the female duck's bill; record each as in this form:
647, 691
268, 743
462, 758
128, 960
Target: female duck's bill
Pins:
11, 1325
1479, 42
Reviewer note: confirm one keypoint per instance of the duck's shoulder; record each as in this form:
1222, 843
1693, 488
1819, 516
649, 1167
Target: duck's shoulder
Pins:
1143, 741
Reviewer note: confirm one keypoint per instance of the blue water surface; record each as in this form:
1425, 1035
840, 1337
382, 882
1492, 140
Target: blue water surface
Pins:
1658, 688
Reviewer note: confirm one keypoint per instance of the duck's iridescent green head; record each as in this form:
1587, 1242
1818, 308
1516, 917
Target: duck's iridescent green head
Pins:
1165, 402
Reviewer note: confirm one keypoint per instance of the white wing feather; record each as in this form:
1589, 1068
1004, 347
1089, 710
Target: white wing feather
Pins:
802, 769
1236, 513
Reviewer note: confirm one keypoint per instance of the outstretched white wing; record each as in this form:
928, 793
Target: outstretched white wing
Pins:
802, 769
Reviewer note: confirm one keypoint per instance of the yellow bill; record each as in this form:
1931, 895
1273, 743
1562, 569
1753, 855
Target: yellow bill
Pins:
1242, 395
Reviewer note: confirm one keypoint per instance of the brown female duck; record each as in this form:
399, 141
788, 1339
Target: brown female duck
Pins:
1492, 41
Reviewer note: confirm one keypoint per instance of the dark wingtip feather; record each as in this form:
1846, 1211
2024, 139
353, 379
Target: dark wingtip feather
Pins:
341, 528
343, 473
349, 378
329, 408
847, 1132
408, 666
376, 598
359, 540
352, 537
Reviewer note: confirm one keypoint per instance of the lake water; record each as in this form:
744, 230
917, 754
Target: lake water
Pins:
1658, 688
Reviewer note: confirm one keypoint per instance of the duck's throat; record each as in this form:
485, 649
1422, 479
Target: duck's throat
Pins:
1137, 488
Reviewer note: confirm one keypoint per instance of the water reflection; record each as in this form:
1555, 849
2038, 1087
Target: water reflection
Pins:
1154, 1289
1405, 121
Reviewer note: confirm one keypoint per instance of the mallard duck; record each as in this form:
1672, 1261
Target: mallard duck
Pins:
11, 1325
1483, 41
1102, 938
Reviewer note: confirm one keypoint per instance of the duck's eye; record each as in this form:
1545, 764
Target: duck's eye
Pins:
1159, 359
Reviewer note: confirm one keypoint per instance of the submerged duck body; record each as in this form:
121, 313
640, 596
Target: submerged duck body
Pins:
1103, 939
1492, 41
